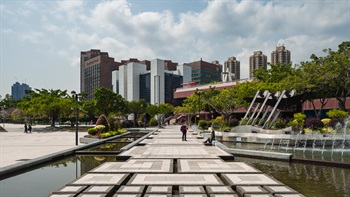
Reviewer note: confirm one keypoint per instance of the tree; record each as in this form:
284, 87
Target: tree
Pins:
338, 63
50, 103
108, 101
225, 102
7, 106
137, 108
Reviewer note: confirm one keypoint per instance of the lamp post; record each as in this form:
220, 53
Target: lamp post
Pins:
198, 93
76, 98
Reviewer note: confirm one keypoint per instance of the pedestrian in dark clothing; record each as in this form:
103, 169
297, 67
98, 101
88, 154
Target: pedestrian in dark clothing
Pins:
30, 128
25, 128
184, 131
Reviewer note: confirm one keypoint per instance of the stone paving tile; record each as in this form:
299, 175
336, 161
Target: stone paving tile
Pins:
193, 195
167, 141
61, 195
127, 189
99, 189
159, 190
289, 195
127, 195
243, 190
70, 189
175, 179
280, 190
175, 152
157, 195
191, 190
213, 166
249, 179
91, 195
100, 179
136, 165
223, 195
219, 190
258, 195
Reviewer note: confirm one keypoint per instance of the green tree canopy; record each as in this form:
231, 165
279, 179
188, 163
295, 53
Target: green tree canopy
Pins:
108, 101
49, 103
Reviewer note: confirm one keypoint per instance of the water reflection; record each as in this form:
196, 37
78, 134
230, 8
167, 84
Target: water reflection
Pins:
310, 180
58, 174
301, 153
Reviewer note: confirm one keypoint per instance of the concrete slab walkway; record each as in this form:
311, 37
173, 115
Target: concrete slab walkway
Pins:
172, 167
17, 147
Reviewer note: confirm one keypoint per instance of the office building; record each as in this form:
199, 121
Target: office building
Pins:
257, 60
156, 85
96, 71
231, 70
280, 55
18, 90
204, 72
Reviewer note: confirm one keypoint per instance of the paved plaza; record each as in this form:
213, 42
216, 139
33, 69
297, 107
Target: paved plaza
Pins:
164, 165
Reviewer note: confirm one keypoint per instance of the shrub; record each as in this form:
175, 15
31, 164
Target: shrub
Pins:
99, 128
337, 113
326, 121
218, 123
153, 122
102, 120
280, 124
232, 122
202, 124
334, 123
299, 117
92, 131
313, 123
126, 124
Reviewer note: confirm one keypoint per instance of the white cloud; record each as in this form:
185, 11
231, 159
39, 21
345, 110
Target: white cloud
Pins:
224, 28
33, 37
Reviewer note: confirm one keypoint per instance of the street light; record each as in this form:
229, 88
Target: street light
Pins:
198, 93
76, 98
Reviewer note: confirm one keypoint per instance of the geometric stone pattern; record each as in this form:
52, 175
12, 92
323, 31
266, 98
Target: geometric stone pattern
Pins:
100, 179
191, 190
175, 152
175, 179
213, 166
243, 190
258, 195
127, 189
280, 190
150, 172
159, 190
70, 190
219, 190
249, 179
98, 190
136, 165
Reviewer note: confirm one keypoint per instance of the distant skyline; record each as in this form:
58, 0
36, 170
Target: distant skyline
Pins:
41, 40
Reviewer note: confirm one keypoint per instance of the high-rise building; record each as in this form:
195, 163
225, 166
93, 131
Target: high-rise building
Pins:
257, 60
156, 85
96, 71
280, 55
231, 70
18, 90
205, 72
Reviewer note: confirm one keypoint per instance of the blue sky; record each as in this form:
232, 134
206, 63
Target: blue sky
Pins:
41, 40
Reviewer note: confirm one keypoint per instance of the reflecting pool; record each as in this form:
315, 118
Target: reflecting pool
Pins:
42, 181
310, 180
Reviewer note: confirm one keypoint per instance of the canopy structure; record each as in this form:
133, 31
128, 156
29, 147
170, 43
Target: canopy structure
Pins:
264, 100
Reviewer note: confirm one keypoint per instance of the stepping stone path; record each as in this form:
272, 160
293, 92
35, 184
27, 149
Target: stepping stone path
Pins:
167, 166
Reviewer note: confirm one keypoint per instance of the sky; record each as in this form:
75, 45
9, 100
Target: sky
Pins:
41, 40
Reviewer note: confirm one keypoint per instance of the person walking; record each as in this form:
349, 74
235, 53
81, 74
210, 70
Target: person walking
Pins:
25, 128
184, 132
30, 128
